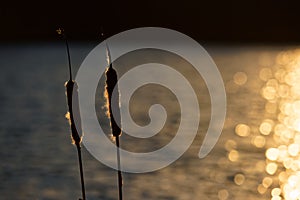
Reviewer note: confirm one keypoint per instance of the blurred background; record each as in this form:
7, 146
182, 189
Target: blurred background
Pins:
255, 45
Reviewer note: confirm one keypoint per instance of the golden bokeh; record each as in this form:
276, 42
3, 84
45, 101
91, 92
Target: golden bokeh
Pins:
271, 168
282, 92
240, 78
261, 189
269, 92
242, 130
272, 154
275, 192
223, 194
267, 182
258, 141
239, 179
266, 127
233, 155
278, 134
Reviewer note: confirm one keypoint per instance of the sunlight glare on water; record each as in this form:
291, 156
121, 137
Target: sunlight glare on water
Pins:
282, 92
256, 157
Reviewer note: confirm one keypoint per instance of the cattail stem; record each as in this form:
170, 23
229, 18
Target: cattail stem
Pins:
69, 57
120, 178
81, 171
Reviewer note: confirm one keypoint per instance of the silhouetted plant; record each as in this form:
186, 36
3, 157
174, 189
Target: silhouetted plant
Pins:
73, 111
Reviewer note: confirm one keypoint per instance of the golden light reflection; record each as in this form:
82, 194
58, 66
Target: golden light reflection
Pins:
233, 155
240, 78
239, 179
276, 192
269, 92
261, 189
282, 92
242, 130
271, 168
272, 154
267, 182
258, 141
266, 127
223, 194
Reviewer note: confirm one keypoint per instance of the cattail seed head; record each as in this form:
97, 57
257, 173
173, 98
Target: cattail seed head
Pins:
111, 83
73, 113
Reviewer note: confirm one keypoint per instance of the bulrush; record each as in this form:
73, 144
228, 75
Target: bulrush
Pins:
115, 119
73, 113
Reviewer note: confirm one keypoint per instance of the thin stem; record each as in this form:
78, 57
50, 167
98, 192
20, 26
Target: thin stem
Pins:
120, 179
81, 171
69, 57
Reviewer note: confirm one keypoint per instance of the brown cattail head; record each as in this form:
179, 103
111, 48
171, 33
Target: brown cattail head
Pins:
111, 84
73, 113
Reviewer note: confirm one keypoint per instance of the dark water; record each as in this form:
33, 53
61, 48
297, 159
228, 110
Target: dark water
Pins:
39, 162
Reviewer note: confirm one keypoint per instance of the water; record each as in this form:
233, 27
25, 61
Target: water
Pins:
39, 162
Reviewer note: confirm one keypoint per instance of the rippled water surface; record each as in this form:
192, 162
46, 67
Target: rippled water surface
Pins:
256, 157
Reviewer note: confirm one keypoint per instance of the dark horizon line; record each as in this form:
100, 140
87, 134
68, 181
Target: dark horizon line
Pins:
205, 40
